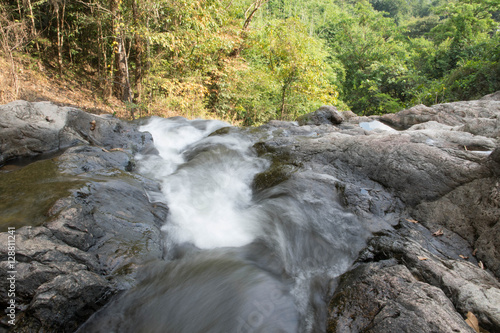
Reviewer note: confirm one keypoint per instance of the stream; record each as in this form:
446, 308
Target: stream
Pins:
237, 258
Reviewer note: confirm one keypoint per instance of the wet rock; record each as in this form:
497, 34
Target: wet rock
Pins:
327, 114
67, 300
418, 165
95, 238
31, 129
472, 211
442, 168
417, 279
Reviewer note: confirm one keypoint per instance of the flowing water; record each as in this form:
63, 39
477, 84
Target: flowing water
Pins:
237, 259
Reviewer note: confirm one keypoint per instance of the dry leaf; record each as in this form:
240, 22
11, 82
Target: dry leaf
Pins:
480, 264
422, 258
438, 233
472, 321
463, 257
412, 221
474, 252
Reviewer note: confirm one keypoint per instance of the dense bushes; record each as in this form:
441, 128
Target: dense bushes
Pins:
253, 60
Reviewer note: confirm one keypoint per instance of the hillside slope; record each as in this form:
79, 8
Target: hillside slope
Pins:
36, 82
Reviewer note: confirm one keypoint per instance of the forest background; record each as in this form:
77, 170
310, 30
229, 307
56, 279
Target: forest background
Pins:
249, 61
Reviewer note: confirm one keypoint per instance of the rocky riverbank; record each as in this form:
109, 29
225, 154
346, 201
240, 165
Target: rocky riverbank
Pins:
95, 235
436, 182
428, 188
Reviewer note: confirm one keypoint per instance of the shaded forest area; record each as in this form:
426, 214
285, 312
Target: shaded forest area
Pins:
249, 61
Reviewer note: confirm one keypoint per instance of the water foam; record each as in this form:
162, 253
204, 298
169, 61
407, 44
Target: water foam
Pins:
205, 180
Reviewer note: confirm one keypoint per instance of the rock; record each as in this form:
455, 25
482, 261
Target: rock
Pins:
495, 156
324, 115
419, 166
472, 211
417, 280
462, 280
439, 169
96, 236
492, 97
31, 129
385, 297
479, 117
67, 300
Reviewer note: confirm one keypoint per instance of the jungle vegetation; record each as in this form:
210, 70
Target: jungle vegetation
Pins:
255, 60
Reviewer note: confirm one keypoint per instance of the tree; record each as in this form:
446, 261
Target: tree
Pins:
296, 64
373, 56
396, 9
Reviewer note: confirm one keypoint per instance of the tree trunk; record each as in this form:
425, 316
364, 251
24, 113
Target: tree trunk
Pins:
283, 99
139, 52
33, 27
120, 76
250, 12
60, 37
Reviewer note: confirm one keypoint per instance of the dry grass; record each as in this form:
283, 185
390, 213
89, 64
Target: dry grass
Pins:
37, 82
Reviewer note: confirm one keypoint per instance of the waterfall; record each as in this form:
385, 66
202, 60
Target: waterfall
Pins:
237, 259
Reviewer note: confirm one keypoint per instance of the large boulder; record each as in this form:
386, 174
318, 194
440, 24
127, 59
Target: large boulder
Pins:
324, 115
479, 117
30, 129
386, 297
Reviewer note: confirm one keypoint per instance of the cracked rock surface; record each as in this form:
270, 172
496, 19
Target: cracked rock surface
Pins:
430, 192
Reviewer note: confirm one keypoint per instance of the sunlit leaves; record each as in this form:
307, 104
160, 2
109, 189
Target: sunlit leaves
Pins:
297, 64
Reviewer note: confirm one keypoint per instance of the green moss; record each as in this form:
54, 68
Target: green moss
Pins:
283, 165
221, 131
124, 270
27, 194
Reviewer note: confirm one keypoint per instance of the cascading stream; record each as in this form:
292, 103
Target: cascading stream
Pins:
206, 182
237, 260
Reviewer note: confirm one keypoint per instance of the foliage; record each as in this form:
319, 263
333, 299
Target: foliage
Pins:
254, 60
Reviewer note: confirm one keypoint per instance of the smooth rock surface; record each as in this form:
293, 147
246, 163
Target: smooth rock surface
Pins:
324, 115
30, 129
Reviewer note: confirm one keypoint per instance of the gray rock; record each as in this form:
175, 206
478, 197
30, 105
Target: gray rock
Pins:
416, 280
479, 117
492, 97
97, 236
327, 114
469, 287
385, 297
440, 170
472, 211
30, 129
419, 166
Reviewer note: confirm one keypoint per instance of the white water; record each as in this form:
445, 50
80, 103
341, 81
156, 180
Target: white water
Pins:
375, 125
209, 195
